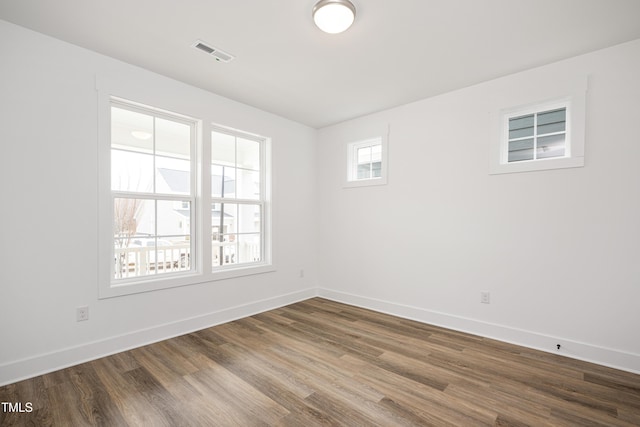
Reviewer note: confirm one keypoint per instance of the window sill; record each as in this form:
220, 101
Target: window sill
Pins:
365, 183
536, 165
233, 272
155, 283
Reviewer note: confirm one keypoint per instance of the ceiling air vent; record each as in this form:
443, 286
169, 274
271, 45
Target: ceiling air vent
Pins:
218, 54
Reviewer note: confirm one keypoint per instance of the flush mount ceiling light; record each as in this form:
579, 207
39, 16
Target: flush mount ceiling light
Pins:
334, 16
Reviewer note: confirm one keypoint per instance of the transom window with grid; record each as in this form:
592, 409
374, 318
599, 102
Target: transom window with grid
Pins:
538, 135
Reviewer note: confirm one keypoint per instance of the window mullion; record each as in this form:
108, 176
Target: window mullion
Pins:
535, 136
263, 196
153, 180
221, 235
155, 237
562, 132
150, 196
202, 197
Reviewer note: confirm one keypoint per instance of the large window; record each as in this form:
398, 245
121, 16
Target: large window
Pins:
153, 192
178, 206
238, 198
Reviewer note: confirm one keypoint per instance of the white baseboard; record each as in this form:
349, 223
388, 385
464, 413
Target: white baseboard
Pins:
577, 350
44, 363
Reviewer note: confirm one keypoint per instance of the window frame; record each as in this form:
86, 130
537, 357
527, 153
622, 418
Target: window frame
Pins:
574, 100
262, 201
108, 89
156, 196
535, 111
351, 178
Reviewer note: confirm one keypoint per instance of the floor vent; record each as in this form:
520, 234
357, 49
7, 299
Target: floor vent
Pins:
218, 54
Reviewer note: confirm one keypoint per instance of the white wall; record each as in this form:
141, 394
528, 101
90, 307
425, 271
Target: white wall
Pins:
49, 213
558, 250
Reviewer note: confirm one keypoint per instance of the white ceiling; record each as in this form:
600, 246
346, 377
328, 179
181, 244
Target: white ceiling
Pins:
397, 51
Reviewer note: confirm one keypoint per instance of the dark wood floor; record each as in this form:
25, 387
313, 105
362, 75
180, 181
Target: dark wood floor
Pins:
319, 362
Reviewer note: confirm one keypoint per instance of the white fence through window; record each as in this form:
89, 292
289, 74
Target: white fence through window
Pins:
145, 260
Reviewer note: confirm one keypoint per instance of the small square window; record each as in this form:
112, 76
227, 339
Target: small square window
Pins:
540, 136
536, 136
366, 163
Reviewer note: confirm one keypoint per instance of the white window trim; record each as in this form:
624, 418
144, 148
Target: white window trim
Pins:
109, 88
351, 149
574, 100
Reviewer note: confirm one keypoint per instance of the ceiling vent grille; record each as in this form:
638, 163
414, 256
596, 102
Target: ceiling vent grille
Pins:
218, 54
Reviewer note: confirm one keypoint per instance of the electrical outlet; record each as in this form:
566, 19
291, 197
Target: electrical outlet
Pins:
82, 314
301, 273
485, 297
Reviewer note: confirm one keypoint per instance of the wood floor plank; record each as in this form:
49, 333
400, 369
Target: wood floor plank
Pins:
123, 391
323, 363
426, 402
505, 405
246, 404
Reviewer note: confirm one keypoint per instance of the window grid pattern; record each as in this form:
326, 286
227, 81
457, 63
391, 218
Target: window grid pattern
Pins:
536, 136
365, 160
369, 159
